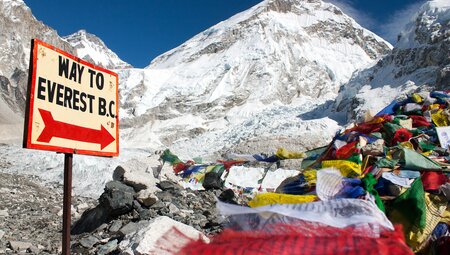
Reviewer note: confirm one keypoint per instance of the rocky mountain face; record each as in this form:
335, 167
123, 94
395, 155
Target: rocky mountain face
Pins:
92, 49
420, 59
278, 53
18, 27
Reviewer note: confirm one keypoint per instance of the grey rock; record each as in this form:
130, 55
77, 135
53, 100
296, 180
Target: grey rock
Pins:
19, 246
129, 228
89, 242
137, 205
156, 171
116, 225
158, 205
135, 214
34, 250
290, 163
168, 185
2, 233
173, 209
146, 197
102, 227
217, 192
30, 217
118, 198
147, 214
212, 181
90, 220
147, 239
4, 213
108, 247
82, 207
165, 196
135, 174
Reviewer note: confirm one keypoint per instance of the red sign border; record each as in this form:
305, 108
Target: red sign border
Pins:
30, 104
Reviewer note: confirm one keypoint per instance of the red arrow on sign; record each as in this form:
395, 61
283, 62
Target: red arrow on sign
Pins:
54, 128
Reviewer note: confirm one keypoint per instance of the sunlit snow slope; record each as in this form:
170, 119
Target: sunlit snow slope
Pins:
246, 78
419, 60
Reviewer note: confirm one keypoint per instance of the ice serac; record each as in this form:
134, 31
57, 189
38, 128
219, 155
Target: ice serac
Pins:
92, 49
420, 59
278, 53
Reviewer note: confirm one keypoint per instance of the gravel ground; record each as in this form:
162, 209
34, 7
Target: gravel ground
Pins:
31, 215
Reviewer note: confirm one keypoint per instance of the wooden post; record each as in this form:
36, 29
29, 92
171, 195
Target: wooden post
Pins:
67, 203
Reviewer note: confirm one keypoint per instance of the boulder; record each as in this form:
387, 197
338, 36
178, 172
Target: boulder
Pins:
146, 197
18, 246
90, 220
118, 198
169, 185
213, 181
135, 173
148, 240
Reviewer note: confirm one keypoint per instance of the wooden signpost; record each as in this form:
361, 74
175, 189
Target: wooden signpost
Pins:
72, 108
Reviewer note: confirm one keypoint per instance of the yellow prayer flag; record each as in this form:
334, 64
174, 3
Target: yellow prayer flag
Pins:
279, 198
417, 98
347, 168
285, 154
440, 119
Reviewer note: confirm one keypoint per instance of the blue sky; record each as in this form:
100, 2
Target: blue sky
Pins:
140, 30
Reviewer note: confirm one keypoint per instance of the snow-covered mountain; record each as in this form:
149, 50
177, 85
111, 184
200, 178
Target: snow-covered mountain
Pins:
92, 49
420, 59
251, 83
248, 68
18, 27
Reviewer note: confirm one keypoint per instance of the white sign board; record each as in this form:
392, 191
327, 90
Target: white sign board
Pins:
72, 105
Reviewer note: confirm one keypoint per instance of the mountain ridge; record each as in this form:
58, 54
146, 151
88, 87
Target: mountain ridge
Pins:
419, 60
282, 100
92, 49
276, 53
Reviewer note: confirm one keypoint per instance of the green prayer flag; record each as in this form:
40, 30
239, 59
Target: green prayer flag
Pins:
417, 161
355, 157
416, 131
426, 146
377, 135
387, 163
369, 183
168, 156
409, 208
389, 130
219, 169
